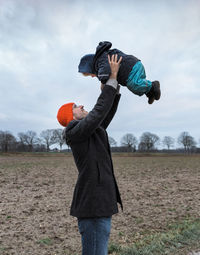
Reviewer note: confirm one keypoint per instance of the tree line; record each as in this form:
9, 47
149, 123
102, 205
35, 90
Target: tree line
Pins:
149, 142
29, 141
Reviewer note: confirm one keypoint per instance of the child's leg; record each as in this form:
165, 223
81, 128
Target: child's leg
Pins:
137, 82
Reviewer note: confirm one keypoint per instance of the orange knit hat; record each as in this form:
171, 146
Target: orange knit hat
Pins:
65, 114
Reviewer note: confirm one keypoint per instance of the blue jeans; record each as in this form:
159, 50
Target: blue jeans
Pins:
137, 82
95, 234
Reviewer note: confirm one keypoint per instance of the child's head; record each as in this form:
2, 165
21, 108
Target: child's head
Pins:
86, 65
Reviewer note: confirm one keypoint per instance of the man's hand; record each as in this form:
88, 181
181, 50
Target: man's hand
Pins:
114, 66
102, 86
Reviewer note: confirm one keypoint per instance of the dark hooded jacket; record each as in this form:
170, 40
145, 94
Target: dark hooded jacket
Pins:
101, 66
96, 192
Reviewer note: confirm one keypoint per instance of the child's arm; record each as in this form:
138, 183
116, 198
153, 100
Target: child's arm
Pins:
103, 68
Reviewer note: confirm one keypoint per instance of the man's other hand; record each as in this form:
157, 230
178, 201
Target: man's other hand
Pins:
114, 65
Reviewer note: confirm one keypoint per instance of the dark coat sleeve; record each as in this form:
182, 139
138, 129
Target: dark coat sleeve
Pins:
85, 127
103, 68
111, 113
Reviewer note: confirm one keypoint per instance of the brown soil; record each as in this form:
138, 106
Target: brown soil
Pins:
36, 193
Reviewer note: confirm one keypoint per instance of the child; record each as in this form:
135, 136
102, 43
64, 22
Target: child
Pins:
131, 72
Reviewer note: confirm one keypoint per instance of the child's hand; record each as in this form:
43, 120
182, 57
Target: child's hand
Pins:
114, 65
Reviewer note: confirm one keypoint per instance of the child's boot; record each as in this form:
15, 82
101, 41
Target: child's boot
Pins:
156, 88
154, 92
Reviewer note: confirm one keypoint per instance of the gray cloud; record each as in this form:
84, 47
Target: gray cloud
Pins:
41, 43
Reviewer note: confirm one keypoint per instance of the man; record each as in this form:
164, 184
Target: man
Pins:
96, 193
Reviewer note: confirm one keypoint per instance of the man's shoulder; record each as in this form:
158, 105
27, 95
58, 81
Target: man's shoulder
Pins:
71, 125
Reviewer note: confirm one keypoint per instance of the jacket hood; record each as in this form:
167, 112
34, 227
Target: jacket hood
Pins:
103, 46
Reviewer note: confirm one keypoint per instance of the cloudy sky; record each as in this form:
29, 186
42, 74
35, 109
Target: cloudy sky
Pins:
41, 43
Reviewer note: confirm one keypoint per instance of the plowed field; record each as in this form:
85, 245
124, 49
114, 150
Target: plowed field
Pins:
36, 192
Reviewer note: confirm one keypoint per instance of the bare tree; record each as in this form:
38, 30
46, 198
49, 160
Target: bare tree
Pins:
58, 137
112, 141
168, 141
48, 137
28, 138
187, 141
142, 146
148, 141
129, 140
7, 140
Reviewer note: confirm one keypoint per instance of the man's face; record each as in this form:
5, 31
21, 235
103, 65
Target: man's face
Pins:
90, 74
79, 112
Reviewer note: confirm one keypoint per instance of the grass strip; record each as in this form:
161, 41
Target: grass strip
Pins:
177, 237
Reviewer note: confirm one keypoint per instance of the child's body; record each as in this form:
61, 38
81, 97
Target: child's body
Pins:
131, 72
